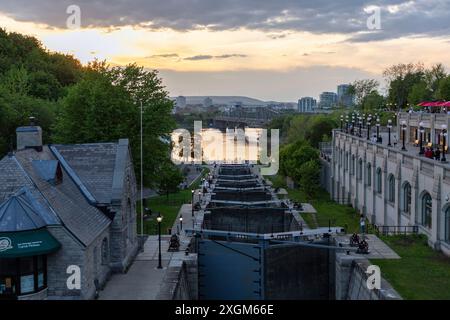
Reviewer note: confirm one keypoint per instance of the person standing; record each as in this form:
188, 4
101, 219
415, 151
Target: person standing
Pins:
362, 224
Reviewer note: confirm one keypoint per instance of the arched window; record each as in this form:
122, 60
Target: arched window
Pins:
447, 225
346, 160
427, 206
360, 169
369, 174
353, 165
379, 181
105, 251
407, 198
391, 189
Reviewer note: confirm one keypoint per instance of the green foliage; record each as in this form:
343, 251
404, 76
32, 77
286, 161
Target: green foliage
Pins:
444, 88
105, 106
310, 177
32, 82
419, 92
170, 179
362, 88
294, 157
372, 102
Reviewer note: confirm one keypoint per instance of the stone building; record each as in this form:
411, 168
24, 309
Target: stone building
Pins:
396, 189
64, 208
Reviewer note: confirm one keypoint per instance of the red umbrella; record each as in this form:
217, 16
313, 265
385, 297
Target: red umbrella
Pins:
435, 104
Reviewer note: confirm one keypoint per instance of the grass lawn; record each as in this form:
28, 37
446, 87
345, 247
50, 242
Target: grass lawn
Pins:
421, 273
168, 206
327, 210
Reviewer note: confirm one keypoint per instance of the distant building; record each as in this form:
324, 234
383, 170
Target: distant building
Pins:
343, 97
307, 104
207, 102
328, 100
181, 102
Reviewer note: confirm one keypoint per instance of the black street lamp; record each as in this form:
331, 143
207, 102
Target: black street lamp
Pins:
389, 132
342, 122
378, 129
192, 201
444, 136
159, 218
421, 131
360, 126
364, 120
346, 123
181, 223
369, 123
353, 125
404, 134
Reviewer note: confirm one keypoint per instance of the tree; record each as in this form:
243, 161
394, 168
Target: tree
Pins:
319, 127
419, 92
373, 102
105, 106
170, 179
310, 178
433, 78
362, 88
401, 78
444, 89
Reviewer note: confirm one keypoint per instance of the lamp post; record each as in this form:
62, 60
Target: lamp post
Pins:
192, 201
369, 122
389, 132
364, 120
360, 126
421, 131
353, 124
159, 218
404, 134
444, 136
346, 123
378, 128
342, 122
181, 223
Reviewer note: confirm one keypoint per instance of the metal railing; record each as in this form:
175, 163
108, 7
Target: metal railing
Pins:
394, 230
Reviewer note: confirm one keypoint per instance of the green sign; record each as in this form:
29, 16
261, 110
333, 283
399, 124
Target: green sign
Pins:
27, 243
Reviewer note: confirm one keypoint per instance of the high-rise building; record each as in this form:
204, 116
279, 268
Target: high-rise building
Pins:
207, 102
328, 100
343, 97
307, 104
181, 102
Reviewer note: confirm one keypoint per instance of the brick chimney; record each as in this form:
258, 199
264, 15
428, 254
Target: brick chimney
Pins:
29, 136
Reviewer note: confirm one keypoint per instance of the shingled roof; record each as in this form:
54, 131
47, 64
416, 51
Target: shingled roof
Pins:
89, 173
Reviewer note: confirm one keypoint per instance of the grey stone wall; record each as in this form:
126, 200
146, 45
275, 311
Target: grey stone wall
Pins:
351, 281
123, 237
325, 175
70, 253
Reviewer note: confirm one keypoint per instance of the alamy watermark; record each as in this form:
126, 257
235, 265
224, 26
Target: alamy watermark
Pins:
374, 20
74, 19
74, 280
374, 277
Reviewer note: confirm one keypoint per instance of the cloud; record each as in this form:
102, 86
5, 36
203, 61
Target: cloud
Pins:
398, 17
209, 57
199, 57
165, 55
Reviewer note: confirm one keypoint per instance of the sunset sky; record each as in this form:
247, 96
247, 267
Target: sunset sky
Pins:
271, 50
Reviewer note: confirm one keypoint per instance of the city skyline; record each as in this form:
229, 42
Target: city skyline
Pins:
282, 51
